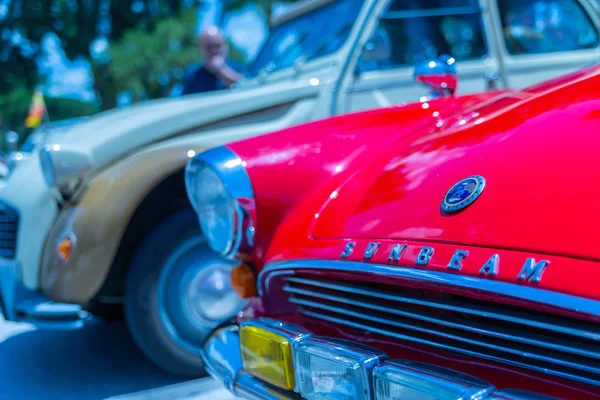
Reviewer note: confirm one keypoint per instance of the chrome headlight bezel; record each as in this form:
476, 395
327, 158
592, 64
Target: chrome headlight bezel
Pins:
231, 171
47, 166
63, 168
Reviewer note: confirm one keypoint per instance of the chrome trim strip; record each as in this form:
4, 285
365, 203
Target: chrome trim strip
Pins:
456, 306
514, 394
442, 322
286, 329
249, 387
358, 87
436, 12
449, 348
522, 292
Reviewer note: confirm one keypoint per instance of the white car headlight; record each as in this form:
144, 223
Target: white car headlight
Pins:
333, 368
413, 380
220, 191
61, 166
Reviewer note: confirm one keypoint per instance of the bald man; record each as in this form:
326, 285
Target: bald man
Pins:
216, 72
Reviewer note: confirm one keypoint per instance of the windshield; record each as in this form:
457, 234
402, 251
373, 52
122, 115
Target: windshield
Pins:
315, 34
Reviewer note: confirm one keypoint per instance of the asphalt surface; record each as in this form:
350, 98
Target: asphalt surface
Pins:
98, 361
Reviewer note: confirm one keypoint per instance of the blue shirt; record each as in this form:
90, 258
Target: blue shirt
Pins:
199, 80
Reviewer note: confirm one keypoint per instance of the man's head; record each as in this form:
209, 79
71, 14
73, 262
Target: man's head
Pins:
212, 43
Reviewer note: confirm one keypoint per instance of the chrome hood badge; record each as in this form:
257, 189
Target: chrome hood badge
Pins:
463, 194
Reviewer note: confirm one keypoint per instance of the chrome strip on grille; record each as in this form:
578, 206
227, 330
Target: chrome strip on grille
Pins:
451, 348
537, 340
526, 293
481, 311
440, 321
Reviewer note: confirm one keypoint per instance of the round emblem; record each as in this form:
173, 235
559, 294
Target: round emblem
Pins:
463, 194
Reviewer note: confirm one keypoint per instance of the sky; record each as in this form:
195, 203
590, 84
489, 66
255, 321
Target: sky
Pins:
65, 78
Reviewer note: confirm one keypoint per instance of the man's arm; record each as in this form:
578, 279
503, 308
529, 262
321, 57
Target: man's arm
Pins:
218, 66
228, 75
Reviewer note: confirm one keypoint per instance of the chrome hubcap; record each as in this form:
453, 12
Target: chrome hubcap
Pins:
195, 293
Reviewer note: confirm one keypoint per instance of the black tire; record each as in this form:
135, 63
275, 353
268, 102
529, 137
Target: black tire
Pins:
141, 304
108, 312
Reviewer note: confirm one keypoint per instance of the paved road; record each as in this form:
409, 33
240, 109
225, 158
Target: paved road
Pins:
96, 362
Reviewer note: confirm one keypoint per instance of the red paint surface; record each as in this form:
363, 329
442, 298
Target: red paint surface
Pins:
381, 175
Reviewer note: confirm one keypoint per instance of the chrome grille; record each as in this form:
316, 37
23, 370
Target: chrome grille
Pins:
9, 224
561, 346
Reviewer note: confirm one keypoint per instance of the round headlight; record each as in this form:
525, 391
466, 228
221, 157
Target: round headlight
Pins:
63, 167
220, 191
215, 210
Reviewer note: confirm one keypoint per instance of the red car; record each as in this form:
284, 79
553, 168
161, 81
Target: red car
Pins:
446, 249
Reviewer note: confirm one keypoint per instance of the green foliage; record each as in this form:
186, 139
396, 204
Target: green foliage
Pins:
14, 106
77, 24
150, 47
63, 108
149, 64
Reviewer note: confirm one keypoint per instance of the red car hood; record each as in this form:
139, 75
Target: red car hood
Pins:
538, 151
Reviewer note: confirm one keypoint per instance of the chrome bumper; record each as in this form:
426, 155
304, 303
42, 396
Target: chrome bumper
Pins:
223, 361
23, 305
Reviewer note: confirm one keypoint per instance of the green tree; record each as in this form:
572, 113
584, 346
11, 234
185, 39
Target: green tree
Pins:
149, 64
77, 23
151, 43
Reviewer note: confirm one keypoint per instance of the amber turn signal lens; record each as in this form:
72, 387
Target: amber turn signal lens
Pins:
65, 248
243, 281
268, 356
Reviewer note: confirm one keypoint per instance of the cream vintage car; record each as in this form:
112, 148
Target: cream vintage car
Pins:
97, 218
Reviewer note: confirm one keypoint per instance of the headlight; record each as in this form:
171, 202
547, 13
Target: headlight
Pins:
414, 380
61, 167
220, 191
267, 350
332, 368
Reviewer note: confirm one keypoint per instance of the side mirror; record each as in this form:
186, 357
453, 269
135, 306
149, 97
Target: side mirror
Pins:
439, 75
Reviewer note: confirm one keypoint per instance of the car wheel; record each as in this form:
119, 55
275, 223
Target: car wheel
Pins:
177, 290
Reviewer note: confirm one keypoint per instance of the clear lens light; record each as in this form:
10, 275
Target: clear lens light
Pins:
215, 210
325, 371
411, 380
389, 390
322, 378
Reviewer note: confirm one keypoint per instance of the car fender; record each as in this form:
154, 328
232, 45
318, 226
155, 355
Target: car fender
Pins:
100, 217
